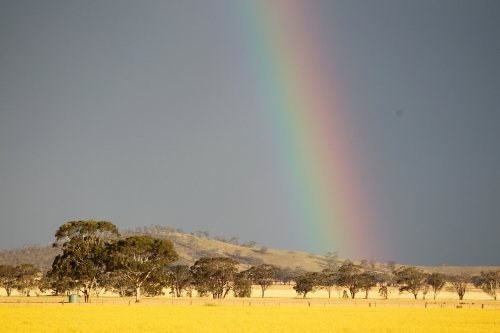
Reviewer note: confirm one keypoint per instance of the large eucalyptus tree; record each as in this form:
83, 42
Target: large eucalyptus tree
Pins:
85, 252
142, 260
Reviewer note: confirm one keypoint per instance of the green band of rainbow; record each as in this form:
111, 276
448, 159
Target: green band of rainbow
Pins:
309, 123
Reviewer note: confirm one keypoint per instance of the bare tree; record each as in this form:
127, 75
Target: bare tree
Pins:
391, 265
331, 259
250, 244
234, 240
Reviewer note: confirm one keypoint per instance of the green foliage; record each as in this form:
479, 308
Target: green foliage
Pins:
120, 284
91, 231
306, 283
284, 274
142, 260
410, 279
85, 252
437, 282
349, 277
366, 282
60, 278
242, 285
8, 278
263, 275
27, 277
383, 292
179, 279
214, 276
328, 280
490, 283
459, 284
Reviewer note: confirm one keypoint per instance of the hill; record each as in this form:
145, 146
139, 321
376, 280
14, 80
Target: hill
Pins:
191, 247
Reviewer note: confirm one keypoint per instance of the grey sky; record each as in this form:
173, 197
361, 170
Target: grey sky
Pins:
142, 114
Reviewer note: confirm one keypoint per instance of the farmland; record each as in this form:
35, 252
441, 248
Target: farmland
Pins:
212, 317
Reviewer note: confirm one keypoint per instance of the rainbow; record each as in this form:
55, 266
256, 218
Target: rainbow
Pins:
309, 124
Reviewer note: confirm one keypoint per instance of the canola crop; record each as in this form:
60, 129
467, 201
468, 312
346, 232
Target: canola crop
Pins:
208, 319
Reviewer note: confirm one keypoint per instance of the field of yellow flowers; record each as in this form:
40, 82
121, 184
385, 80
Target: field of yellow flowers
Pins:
207, 319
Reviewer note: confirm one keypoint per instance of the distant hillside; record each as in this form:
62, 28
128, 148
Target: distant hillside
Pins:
191, 247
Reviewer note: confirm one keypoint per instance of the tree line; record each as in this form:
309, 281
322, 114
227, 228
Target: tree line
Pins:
94, 258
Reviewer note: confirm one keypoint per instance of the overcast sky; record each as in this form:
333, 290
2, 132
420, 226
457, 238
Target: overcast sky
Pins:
140, 113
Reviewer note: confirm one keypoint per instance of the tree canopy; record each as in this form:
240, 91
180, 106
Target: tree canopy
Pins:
138, 258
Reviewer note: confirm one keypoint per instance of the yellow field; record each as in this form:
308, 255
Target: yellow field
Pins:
207, 319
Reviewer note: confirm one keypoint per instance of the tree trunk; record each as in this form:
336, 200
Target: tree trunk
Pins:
138, 294
262, 292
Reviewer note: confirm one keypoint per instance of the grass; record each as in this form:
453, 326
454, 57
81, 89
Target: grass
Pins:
207, 319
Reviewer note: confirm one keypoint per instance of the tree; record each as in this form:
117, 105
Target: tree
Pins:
214, 276
490, 282
459, 284
306, 283
234, 240
8, 278
138, 258
384, 292
349, 277
372, 263
391, 265
410, 279
179, 279
242, 285
328, 280
120, 284
27, 277
284, 274
367, 282
437, 282
425, 289
263, 275
250, 244
84, 245
44, 284
60, 277
331, 259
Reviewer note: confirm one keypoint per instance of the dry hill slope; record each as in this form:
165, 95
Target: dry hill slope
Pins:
191, 247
